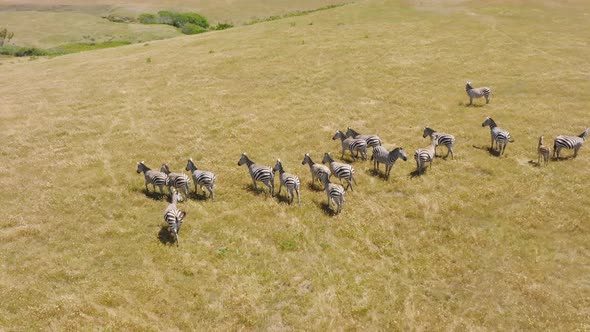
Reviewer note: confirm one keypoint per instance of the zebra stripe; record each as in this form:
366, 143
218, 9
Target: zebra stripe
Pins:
498, 135
372, 140
202, 179
447, 140
569, 142
288, 180
425, 155
381, 155
317, 170
543, 151
177, 180
154, 177
174, 217
335, 193
340, 170
358, 145
260, 173
477, 92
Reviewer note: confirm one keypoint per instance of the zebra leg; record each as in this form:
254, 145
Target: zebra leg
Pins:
298, 198
290, 195
451, 152
196, 190
487, 99
470, 100
576, 152
146, 187
210, 189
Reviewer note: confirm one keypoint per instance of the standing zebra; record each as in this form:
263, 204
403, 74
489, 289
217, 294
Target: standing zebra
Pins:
569, 142
381, 155
359, 145
177, 180
499, 135
335, 193
425, 155
447, 140
154, 177
173, 216
288, 180
477, 92
316, 169
372, 140
260, 173
201, 178
543, 151
340, 170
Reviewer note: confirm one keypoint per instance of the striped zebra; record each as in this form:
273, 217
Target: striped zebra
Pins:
499, 135
372, 140
543, 151
316, 169
154, 177
447, 140
288, 180
335, 193
477, 92
569, 142
177, 180
340, 170
350, 144
202, 179
425, 155
260, 173
173, 216
381, 155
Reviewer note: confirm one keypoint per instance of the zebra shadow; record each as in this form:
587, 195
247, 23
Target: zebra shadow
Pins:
283, 198
471, 105
198, 197
165, 236
561, 158
418, 173
259, 190
378, 174
156, 196
326, 209
491, 151
313, 187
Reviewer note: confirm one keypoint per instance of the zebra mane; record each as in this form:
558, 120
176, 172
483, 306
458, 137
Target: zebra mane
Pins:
144, 166
468, 85
584, 134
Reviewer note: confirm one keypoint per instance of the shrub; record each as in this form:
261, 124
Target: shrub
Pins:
148, 19
192, 29
223, 26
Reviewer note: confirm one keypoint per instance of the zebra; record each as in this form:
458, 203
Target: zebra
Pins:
372, 140
260, 173
201, 178
447, 140
359, 145
381, 155
288, 180
477, 92
569, 142
425, 155
543, 151
173, 216
316, 169
340, 170
335, 193
176, 180
500, 136
154, 177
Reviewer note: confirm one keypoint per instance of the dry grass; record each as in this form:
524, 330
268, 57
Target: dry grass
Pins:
478, 243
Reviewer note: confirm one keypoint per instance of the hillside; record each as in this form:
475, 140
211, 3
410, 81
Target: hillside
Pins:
475, 243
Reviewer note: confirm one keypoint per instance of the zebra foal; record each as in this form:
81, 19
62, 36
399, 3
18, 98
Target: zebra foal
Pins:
203, 179
290, 181
317, 170
381, 155
543, 151
260, 173
174, 217
154, 178
477, 92
340, 170
335, 193
498, 135
425, 155
177, 180
447, 140
569, 142
352, 144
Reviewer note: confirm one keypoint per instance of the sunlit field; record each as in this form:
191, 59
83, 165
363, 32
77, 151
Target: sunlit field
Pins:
479, 242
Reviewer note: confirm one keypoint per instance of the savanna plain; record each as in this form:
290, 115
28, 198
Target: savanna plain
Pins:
479, 242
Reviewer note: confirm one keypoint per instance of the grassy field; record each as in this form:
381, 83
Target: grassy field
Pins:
476, 243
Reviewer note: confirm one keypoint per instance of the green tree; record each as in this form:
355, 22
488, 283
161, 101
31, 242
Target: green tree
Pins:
5, 36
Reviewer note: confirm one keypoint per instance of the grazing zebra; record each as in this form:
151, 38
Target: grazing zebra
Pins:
335, 193
316, 169
425, 155
499, 135
173, 216
359, 145
154, 177
569, 142
177, 180
372, 140
288, 180
447, 140
381, 155
340, 170
543, 151
477, 93
260, 173
201, 178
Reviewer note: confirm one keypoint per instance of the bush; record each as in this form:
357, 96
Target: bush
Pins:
22, 51
192, 29
179, 20
223, 26
148, 19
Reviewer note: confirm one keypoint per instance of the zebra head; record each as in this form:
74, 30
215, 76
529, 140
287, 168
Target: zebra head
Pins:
190, 166
584, 135
307, 160
338, 134
468, 86
351, 132
244, 160
489, 122
327, 158
400, 153
541, 139
427, 132
278, 167
141, 167
165, 169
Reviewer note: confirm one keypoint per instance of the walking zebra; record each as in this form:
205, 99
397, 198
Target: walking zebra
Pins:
381, 155
173, 216
288, 180
543, 151
335, 193
177, 180
447, 140
316, 169
154, 177
499, 135
201, 178
372, 140
569, 142
477, 92
340, 170
359, 145
260, 173
425, 155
